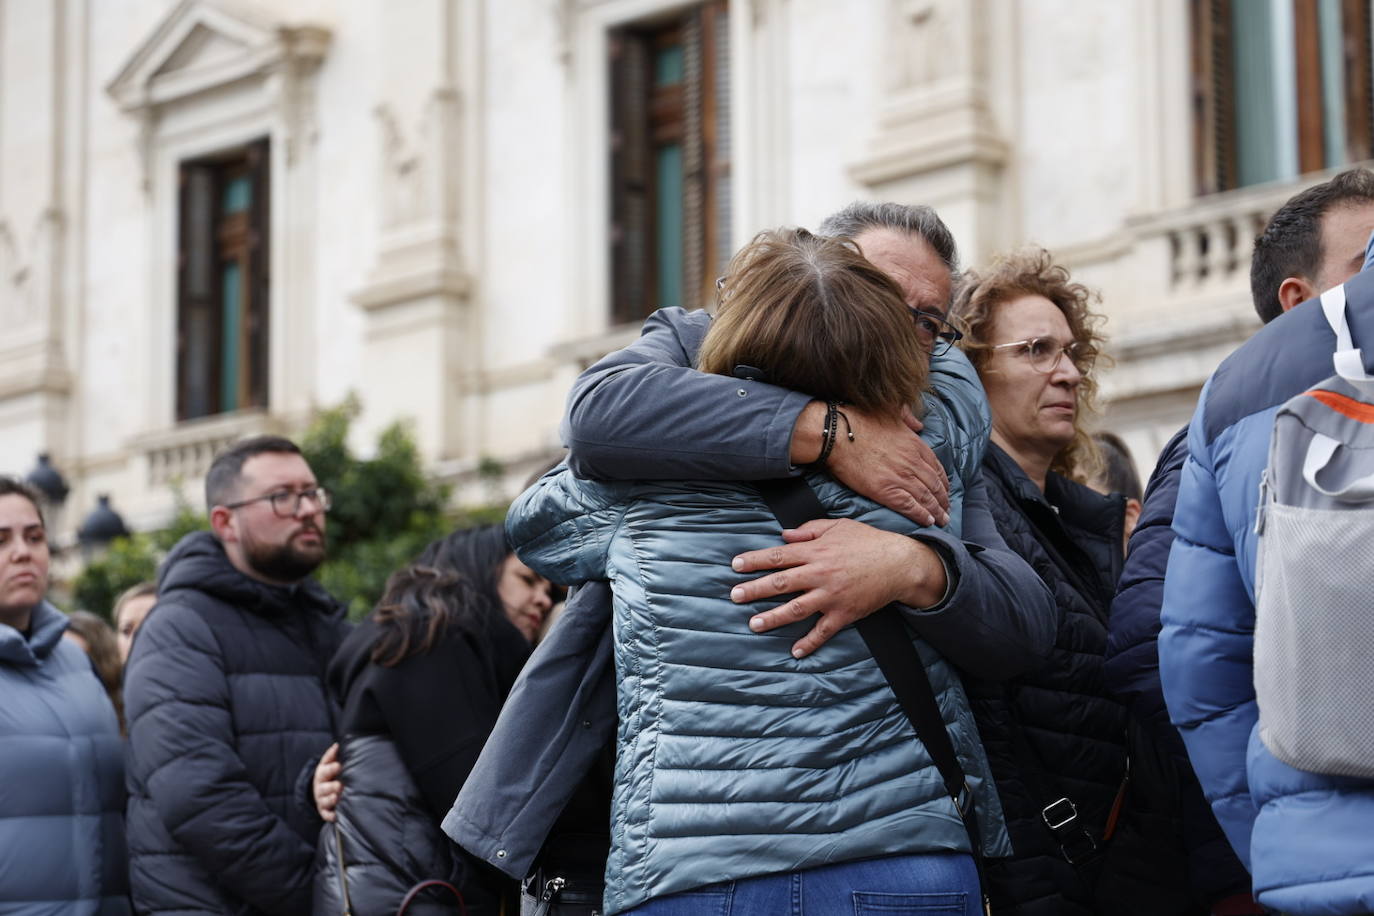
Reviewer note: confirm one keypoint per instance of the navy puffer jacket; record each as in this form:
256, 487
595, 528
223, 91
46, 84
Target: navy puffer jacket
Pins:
227, 705
1132, 672
61, 778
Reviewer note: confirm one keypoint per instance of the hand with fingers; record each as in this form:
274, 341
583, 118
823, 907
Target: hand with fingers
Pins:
842, 570
326, 785
886, 461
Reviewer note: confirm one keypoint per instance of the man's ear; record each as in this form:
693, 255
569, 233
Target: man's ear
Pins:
222, 524
1295, 291
1132, 516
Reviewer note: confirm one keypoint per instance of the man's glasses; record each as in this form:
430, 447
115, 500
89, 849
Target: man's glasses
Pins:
1044, 353
287, 503
935, 333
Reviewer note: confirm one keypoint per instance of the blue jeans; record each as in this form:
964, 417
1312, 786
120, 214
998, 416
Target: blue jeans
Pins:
928, 884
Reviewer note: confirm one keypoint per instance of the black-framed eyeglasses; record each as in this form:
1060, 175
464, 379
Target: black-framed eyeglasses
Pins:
287, 503
934, 331
1044, 353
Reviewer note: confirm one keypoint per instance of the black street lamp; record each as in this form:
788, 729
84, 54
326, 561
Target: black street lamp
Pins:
48, 480
102, 526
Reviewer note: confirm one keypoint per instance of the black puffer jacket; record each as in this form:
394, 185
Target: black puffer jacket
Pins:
386, 837
1055, 732
227, 705
411, 733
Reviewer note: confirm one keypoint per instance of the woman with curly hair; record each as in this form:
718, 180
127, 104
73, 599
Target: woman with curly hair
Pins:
1056, 738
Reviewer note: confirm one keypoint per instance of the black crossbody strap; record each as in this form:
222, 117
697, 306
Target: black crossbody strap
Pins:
795, 503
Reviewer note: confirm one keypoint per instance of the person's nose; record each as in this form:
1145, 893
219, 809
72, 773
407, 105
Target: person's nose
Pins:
542, 598
20, 550
1065, 371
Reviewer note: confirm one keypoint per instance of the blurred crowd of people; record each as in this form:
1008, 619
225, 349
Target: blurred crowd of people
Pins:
865, 616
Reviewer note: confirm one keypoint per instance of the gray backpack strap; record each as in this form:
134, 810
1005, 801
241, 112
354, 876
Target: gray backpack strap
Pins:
1320, 452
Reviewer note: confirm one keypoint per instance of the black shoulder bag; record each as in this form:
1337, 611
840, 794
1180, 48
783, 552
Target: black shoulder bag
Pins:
794, 504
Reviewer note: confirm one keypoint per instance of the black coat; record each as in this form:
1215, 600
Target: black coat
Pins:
227, 706
1055, 732
1132, 672
410, 735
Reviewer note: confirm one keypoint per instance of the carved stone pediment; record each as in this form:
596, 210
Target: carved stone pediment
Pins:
205, 44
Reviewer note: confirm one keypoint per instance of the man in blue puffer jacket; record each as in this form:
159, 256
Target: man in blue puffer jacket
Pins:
1305, 838
1307, 246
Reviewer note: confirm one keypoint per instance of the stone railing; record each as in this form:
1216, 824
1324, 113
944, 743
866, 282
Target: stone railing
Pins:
1210, 241
183, 453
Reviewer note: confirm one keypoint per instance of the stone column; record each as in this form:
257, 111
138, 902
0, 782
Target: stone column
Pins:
936, 140
36, 345
421, 346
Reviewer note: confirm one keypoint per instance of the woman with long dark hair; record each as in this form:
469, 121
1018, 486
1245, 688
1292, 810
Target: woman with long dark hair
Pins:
421, 682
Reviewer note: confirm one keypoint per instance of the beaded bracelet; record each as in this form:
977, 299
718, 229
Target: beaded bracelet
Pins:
829, 432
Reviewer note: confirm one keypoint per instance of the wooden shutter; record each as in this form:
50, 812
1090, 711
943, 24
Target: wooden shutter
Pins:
716, 128
648, 116
1307, 57
696, 85
1359, 98
197, 353
1214, 132
257, 325
631, 220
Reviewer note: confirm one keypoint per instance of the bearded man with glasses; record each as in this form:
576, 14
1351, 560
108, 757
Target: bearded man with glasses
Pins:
225, 696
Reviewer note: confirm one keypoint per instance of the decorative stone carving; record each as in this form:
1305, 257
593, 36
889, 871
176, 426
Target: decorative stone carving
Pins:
205, 45
407, 185
565, 28
934, 122
417, 187
26, 270
918, 43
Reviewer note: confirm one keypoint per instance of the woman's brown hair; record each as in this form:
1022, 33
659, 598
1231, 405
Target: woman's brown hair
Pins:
103, 649
1032, 272
816, 317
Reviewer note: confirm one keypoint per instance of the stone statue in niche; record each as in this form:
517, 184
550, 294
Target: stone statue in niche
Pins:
21, 279
406, 193
418, 182
920, 44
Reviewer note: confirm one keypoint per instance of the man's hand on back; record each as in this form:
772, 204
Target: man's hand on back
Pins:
844, 570
887, 462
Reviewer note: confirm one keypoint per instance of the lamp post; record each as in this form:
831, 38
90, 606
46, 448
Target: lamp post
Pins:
101, 526
47, 480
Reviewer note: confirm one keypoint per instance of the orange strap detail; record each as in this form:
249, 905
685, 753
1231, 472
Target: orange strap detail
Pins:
1355, 410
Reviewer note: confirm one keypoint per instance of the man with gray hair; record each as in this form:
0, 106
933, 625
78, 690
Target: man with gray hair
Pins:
645, 413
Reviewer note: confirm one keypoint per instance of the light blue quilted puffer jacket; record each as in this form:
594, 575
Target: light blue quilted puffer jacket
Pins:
957, 424
733, 758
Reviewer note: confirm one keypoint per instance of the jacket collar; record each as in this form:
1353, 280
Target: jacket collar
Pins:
45, 632
198, 563
1075, 519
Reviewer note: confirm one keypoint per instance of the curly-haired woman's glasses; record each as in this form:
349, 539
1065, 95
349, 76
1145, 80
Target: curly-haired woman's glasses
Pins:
1044, 353
935, 333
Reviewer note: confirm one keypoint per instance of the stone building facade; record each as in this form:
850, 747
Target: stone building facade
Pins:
217, 216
